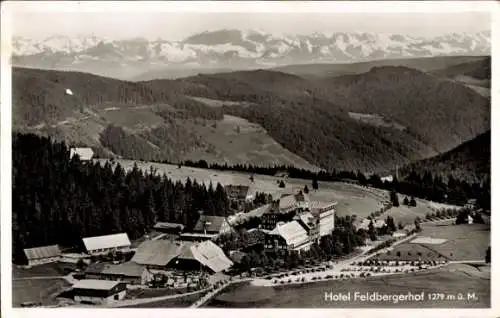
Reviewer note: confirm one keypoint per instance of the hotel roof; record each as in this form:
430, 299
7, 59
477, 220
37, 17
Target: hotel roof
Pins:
292, 232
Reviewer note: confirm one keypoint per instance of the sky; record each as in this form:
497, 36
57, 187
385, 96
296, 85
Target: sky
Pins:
42, 23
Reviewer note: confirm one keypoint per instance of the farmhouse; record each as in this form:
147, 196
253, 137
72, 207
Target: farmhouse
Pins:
167, 227
211, 256
85, 154
158, 254
129, 273
106, 243
208, 227
164, 254
98, 291
42, 254
288, 236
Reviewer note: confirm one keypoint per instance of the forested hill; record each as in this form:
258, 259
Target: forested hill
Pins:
58, 201
372, 121
470, 161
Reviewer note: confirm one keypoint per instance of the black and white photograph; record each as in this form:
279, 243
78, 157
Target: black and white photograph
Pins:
237, 155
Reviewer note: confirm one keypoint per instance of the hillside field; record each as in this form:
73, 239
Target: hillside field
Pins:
351, 199
464, 242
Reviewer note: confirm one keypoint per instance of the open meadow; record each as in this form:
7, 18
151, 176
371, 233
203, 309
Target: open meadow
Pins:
464, 242
43, 291
451, 280
351, 199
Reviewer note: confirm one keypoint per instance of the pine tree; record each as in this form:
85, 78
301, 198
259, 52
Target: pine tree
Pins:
406, 201
394, 198
315, 184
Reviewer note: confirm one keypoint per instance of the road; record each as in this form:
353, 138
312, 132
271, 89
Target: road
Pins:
336, 268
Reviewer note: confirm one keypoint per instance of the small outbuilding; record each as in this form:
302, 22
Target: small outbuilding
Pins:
96, 291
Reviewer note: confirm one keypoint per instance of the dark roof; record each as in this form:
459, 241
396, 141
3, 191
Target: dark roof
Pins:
129, 269
168, 225
209, 223
240, 191
42, 252
159, 252
253, 238
237, 256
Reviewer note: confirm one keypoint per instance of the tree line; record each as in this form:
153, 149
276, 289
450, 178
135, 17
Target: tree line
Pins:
422, 185
56, 200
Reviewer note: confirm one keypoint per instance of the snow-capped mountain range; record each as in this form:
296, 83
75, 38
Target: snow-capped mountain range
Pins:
234, 49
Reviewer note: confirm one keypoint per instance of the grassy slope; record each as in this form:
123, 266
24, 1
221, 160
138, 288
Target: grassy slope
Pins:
351, 199
150, 120
308, 117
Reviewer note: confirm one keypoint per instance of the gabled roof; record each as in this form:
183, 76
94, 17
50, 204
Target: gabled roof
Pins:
292, 232
106, 241
95, 284
83, 153
42, 252
211, 255
129, 269
209, 223
159, 252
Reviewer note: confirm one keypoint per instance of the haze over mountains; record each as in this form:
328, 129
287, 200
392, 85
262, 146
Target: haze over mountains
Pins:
224, 50
371, 121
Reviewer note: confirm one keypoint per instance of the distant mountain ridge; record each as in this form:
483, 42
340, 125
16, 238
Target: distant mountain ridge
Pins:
232, 49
